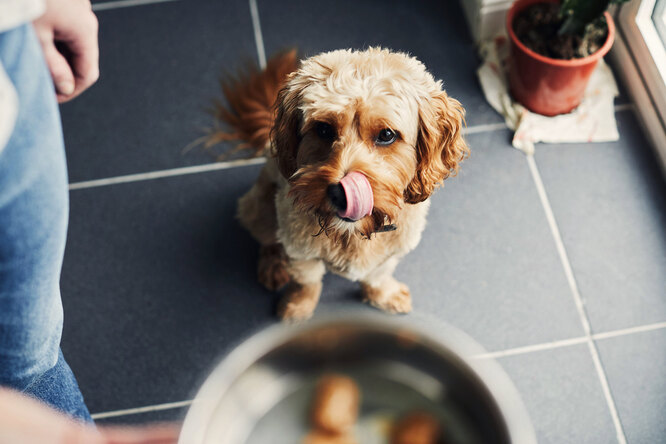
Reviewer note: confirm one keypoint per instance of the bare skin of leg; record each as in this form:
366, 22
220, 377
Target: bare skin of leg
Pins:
381, 290
302, 294
256, 211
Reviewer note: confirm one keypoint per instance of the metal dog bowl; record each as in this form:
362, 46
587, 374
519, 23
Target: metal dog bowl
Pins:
260, 394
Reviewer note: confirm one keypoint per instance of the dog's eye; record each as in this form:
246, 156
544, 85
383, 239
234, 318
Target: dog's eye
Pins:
325, 131
385, 137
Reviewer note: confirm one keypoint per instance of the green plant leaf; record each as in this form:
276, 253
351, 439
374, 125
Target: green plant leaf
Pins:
577, 14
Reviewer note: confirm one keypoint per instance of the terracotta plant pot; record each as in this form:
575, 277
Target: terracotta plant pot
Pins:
544, 85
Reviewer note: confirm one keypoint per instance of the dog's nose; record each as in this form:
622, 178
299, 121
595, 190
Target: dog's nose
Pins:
337, 196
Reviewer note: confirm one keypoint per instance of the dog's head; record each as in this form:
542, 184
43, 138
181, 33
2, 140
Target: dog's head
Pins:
359, 134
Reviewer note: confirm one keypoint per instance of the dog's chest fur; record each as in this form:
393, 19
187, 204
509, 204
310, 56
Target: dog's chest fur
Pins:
301, 236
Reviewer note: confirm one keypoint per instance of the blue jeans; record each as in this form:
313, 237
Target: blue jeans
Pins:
34, 207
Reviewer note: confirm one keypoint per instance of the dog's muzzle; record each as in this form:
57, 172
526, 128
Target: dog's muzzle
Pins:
352, 197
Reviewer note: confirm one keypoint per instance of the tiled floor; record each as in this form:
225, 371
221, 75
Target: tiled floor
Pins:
159, 279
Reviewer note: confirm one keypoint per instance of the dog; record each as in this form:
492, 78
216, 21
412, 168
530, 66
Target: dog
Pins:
357, 141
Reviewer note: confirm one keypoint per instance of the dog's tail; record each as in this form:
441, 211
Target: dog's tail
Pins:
247, 116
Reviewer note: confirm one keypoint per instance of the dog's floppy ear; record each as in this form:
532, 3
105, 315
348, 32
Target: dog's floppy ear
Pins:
440, 146
285, 133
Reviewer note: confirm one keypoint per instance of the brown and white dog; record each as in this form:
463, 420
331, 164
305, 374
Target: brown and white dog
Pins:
357, 142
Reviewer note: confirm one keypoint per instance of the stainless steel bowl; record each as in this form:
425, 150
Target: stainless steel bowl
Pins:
260, 393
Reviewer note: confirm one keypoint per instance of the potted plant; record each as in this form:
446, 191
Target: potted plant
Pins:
555, 46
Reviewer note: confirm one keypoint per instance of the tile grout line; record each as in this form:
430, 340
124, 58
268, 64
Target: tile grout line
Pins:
105, 6
605, 387
564, 258
629, 331
570, 341
489, 127
149, 408
491, 355
206, 167
577, 298
532, 348
166, 173
258, 37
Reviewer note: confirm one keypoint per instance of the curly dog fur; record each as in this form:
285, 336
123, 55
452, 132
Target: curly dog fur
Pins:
356, 94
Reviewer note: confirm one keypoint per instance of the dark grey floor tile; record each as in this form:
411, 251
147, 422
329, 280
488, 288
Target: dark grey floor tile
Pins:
433, 31
487, 262
173, 416
563, 395
160, 66
635, 368
610, 205
158, 282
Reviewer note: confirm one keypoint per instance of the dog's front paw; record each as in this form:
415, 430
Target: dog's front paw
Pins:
299, 302
272, 268
392, 296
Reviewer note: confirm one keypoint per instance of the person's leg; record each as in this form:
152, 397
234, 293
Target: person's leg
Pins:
34, 206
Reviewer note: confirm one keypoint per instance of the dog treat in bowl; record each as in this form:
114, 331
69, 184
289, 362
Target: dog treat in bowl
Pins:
335, 404
286, 386
416, 428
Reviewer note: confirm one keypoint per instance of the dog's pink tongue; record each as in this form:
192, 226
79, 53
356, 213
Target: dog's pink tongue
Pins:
359, 196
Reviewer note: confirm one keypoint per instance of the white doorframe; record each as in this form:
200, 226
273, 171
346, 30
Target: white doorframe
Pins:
639, 59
